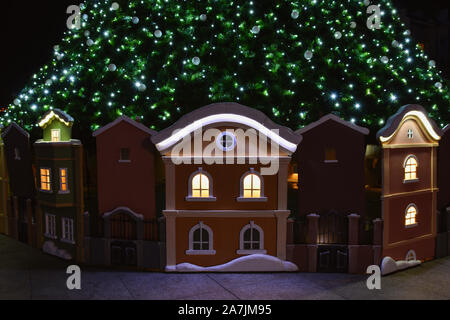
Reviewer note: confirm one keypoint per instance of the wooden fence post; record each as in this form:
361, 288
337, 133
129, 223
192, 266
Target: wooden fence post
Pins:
313, 231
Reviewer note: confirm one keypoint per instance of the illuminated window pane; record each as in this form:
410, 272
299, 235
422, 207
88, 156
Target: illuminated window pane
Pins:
63, 180
45, 179
411, 169
252, 186
200, 186
411, 214
56, 135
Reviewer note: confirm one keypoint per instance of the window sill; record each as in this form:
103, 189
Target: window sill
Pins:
247, 252
68, 241
124, 161
194, 199
50, 236
64, 192
45, 191
242, 199
411, 226
200, 252
411, 181
331, 161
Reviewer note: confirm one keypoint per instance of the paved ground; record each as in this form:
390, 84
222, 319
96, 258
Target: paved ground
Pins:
26, 273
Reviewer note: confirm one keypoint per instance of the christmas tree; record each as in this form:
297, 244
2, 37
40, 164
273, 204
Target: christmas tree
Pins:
293, 60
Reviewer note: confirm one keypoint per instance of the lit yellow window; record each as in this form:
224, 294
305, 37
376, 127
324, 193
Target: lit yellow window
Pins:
56, 135
411, 214
200, 186
252, 186
411, 169
63, 180
45, 179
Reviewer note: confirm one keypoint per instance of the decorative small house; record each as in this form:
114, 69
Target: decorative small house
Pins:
4, 189
444, 171
226, 190
126, 196
410, 140
21, 181
331, 167
59, 166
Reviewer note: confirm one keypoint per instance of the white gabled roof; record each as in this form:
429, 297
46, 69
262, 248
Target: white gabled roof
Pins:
127, 120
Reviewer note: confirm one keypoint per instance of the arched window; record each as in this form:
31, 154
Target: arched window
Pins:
200, 187
251, 240
411, 165
201, 240
411, 216
252, 187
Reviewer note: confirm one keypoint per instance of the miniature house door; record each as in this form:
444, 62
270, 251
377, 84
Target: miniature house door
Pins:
123, 254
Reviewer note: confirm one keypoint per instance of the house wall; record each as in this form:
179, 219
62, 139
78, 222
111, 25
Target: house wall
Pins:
444, 171
20, 172
226, 233
326, 186
226, 188
65, 131
126, 184
4, 191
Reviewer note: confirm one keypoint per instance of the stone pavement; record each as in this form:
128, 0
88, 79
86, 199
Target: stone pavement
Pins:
27, 273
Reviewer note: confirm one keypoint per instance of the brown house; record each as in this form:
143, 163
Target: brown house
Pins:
126, 189
331, 167
20, 172
225, 207
410, 140
444, 171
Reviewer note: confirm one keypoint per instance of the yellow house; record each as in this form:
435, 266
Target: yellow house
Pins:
4, 189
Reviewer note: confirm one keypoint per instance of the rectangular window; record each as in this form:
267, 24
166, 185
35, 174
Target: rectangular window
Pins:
330, 155
56, 135
50, 225
64, 185
45, 180
67, 230
125, 154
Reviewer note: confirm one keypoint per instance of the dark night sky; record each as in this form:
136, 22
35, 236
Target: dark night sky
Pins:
30, 29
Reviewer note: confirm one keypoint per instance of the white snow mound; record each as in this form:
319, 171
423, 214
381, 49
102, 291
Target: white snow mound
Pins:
389, 265
250, 263
50, 248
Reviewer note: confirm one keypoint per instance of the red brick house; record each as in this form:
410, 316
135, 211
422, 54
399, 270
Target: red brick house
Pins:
410, 143
126, 191
223, 207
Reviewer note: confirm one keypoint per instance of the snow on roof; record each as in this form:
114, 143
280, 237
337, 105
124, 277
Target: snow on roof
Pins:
58, 114
227, 112
127, 120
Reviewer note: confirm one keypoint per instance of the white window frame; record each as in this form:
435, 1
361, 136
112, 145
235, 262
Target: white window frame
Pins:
58, 135
67, 181
70, 238
242, 250
405, 162
415, 217
191, 251
197, 199
219, 140
410, 133
50, 226
241, 198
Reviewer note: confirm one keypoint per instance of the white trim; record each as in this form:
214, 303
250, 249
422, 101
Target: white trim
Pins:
70, 230
407, 158
57, 136
331, 161
223, 118
220, 146
189, 197
415, 217
210, 250
50, 226
241, 198
334, 118
49, 117
413, 254
423, 118
137, 216
242, 249
127, 120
